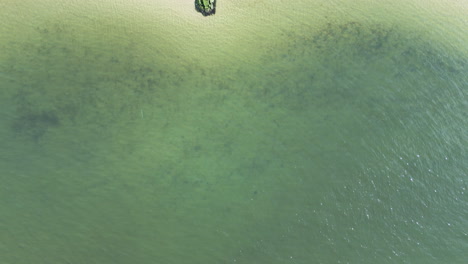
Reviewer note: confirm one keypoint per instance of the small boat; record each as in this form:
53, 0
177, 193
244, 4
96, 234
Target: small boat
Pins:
206, 7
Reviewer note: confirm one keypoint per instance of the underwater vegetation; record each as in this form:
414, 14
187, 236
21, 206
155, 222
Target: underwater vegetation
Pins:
65, 75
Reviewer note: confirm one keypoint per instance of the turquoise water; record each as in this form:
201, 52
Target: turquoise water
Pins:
344, 142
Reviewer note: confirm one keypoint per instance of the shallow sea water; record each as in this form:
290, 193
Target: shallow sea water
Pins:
143, 132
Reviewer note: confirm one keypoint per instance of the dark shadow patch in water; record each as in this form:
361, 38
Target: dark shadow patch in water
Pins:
345, 64
35, 124
85, 78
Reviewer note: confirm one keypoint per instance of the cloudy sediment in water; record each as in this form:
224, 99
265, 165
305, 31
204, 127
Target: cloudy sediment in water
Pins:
319, 132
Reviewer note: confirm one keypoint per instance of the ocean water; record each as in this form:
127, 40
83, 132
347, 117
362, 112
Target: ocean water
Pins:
143, 132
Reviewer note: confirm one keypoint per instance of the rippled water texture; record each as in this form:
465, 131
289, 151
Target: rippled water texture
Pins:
144, 132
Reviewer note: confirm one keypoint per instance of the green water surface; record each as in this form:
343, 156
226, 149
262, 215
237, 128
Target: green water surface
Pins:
345, 143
